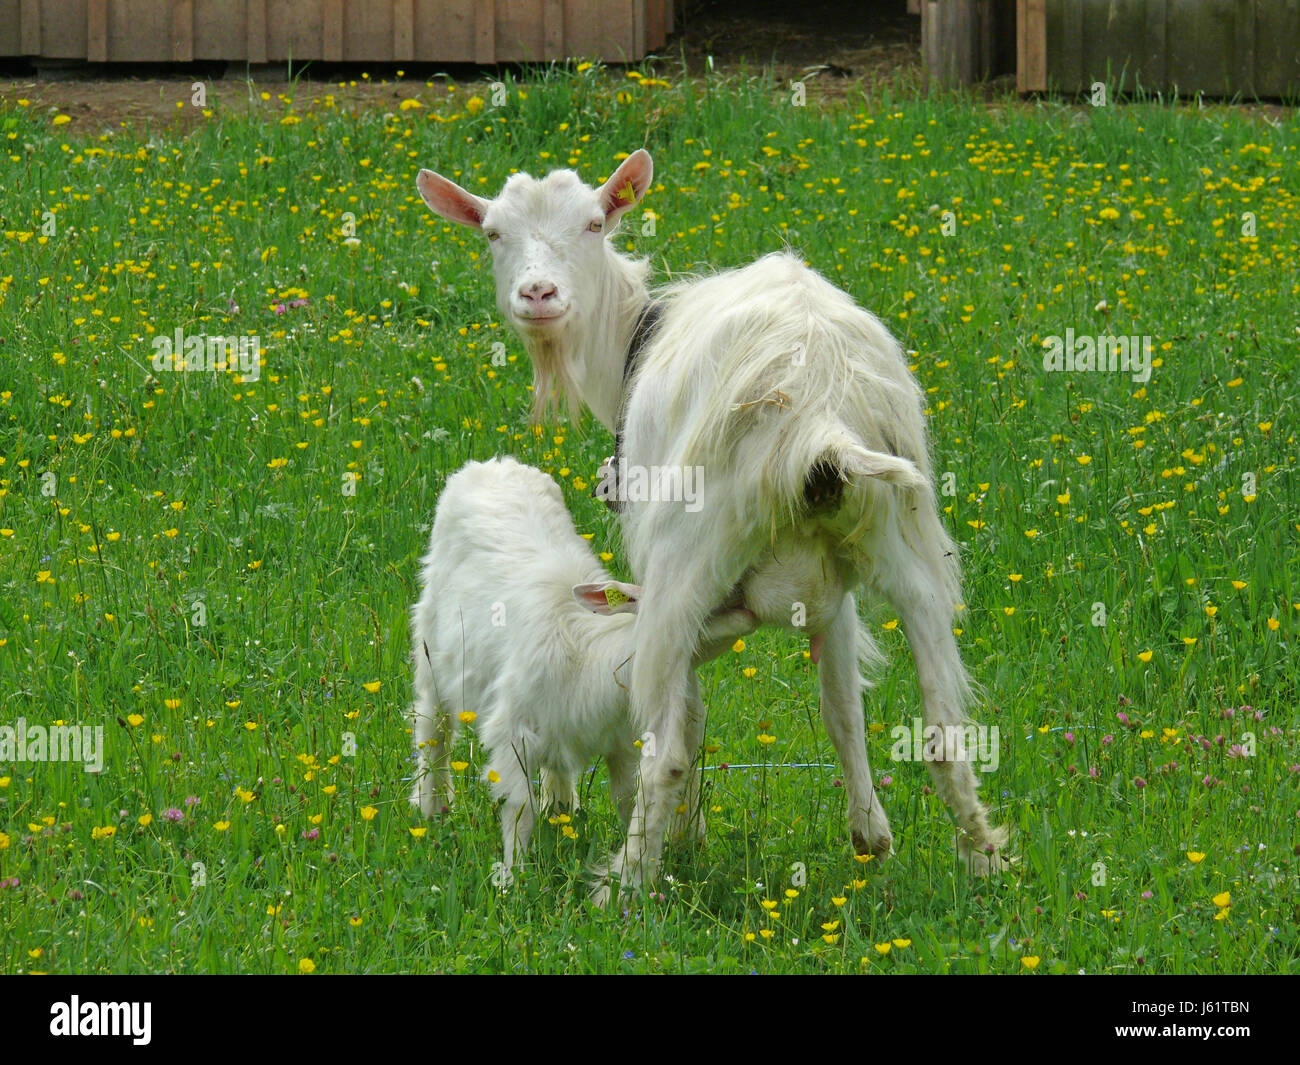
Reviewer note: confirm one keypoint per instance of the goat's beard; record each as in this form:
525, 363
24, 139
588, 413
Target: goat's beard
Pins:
553, 381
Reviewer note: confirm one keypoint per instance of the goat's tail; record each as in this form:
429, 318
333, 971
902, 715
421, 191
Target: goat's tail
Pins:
844, 453
834, 460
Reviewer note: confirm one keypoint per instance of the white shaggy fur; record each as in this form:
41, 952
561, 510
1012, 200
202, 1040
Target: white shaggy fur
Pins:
499, 630
760, 376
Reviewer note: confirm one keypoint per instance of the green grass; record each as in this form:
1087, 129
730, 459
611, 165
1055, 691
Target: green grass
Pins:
175, 489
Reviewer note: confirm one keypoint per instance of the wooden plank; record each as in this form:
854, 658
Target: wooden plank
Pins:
368, 31
182, 31
255, 31
444, 30
1199, 47
520, 35
30, 31
654, 32
957, 40
332, 30
1155, 65
1112, 37
11, 28
1243, 74
553, 29
1031, 45
1277, 48
403, 30
1067, 62
97, 31
639, 46
485, 31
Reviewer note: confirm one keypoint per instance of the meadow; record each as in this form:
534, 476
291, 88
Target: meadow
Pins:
216, 567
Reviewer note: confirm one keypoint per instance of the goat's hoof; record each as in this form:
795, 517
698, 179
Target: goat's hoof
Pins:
881, 845
983, 861
686, 829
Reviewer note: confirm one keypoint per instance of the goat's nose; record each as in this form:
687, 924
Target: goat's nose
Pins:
538, 292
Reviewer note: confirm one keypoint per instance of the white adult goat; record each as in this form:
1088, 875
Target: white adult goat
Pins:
799, 406
507, 626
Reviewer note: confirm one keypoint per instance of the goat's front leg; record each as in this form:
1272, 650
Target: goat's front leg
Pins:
680, 590
518, 808
621, 764
841, 692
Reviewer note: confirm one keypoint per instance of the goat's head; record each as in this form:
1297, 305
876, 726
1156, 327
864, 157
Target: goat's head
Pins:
547, 237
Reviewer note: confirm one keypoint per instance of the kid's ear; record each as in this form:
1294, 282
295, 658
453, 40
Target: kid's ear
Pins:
608, 597
627, 185
444, 197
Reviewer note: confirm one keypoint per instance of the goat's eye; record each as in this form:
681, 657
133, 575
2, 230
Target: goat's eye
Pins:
596, 226
491, 234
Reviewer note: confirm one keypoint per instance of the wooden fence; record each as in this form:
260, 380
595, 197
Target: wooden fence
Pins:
1219, 47
364, 31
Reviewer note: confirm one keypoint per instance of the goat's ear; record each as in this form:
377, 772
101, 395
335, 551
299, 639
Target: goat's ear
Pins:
608, 597
627, 185
446, 198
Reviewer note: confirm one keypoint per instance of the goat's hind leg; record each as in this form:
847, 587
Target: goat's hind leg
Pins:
688, 821
921, 593
841, 697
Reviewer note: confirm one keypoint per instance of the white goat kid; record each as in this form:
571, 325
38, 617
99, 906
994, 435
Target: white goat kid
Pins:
799, 406
507, 626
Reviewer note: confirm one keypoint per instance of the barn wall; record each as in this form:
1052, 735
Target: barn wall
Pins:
1219, 47
368, 31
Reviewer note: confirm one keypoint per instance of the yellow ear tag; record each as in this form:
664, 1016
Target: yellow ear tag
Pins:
613, 597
